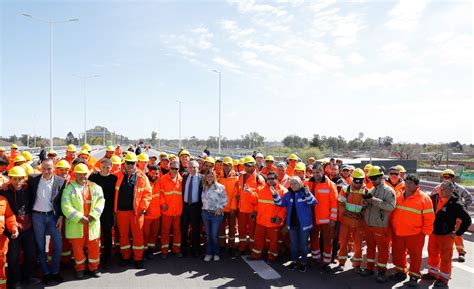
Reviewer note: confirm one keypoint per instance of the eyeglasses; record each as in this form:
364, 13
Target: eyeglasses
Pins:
394, 174
174, 169
129, 163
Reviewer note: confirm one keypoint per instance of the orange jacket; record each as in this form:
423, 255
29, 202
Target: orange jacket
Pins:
350, 200
413, 215
266, 208
290, 171
398, 188
154, 209
118, 152
69, 160
141, 193
229, 184
368, 184
265, 170
7, 218
326, 194
248, 200
348, 180
171, 195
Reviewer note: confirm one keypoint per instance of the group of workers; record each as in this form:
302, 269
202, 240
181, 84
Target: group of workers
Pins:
141, 205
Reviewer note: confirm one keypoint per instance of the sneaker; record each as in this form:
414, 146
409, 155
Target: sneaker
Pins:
398, 276
440, 283
339, 268
94, 274
367, 272
428, 276
302, 268
292, 266
57, 278
413, 282
381, 278
207, 258
357, 270
80, 275
326, 268
163, 256
139, 264
217, 258
462, 258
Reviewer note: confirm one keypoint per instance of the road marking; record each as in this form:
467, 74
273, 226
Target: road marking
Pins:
455, 264
262, 269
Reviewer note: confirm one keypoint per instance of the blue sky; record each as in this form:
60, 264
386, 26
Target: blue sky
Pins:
398, 68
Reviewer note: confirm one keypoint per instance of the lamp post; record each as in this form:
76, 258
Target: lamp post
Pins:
218, 72
50, 23
178, 101
84, 78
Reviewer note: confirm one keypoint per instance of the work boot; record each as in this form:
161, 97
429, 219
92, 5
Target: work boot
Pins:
139, 264
302, 268
462, 258
178, 255
326, 268
413, 282
367, 272
94, 273
428, 276
440, 283
339, 268
46, 279
124, 262
292, 266
381, 278
80, 275
163, 256
149, 254
357, 270
398, 276
57, 278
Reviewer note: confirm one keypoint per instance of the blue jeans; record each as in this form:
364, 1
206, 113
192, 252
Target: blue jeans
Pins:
43, 224
299, 240
211, 226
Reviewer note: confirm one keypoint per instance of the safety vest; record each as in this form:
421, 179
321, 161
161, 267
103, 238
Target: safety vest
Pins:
141, 193
171, 195
248, 200
267, 209
413, 215
351, 200
7, 218
154, 209
73, 208
326, 194
229, 184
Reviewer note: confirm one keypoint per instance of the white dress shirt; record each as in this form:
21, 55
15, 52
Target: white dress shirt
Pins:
44, 200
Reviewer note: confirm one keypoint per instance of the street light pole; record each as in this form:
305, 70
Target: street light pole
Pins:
85, 101
50, 22
178, 101
218, 72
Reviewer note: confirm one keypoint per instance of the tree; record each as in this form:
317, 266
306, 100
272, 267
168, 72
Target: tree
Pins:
154, 138
386, 141
316, 141
294, 141
361, 135
70, 138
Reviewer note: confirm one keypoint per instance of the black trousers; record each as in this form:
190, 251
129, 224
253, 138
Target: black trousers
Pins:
106, 225
26, 242
191, 215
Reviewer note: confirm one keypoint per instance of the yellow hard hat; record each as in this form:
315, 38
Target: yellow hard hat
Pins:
84, 152
52, 152
184, 153
311, 159
293, 157
110, 149
358, 174
209, 160
300, 167
81, 169
242, 161
17, 171
87, 147
2, 149
131, 157
19, 158
401, 168
14, 146
235, 162
163, 154
28, 169
71, 148
143, 157
227, 161
269, 158
218, 160
249, 160
375, 171
171, 156
28, 156
368, 167
63, 164
116, 160
448, 172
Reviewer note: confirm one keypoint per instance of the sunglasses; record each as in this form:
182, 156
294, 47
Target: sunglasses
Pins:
358, 181
174, 169
249, 165
374, 178
394, 174
271, 179
129, 163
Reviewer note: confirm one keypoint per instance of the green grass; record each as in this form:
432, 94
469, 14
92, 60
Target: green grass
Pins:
467, 182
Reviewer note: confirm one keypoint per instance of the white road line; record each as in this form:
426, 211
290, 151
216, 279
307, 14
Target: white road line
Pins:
455, 264
262, 269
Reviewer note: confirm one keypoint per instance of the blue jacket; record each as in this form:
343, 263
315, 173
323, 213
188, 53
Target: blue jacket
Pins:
304, 204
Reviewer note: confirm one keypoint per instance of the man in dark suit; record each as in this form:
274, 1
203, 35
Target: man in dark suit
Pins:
46, 190
192, 204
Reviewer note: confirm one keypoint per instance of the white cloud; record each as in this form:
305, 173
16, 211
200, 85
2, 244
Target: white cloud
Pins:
227, 63
389, 80
261, 47
355, 58
249, 6
251, 58
406, 15
393, 51
452, 48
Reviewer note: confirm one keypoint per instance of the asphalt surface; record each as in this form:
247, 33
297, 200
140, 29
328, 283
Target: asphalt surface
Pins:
236, 273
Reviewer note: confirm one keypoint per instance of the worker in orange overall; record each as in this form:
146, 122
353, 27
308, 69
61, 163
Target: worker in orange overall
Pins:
7, 221
228, 180
151, 227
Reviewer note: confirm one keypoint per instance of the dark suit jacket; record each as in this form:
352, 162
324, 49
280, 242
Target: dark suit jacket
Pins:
58, 187
201, 180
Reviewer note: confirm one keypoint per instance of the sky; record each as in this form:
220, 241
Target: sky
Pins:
397, 68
